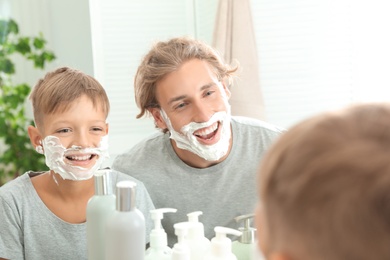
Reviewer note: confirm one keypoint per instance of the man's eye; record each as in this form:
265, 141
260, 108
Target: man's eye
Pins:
208, 93
180, 106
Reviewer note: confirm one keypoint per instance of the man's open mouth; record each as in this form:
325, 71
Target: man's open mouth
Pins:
208, 132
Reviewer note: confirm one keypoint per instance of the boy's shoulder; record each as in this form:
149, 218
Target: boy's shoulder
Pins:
16, 185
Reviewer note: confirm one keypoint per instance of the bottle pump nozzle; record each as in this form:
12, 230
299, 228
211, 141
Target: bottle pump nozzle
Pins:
248, 232
220, 244
158, 237
197, 228
181, 250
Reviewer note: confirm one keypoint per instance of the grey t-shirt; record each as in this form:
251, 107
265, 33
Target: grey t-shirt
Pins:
29, 230
222, 192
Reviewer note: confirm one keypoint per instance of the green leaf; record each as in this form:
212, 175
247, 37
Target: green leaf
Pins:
39, 43
23, 45
7, 66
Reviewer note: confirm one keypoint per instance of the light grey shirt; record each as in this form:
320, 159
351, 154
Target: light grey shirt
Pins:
29, 230
221, 192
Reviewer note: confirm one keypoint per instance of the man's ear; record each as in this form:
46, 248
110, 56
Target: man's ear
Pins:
35, 136
226, 88
156, 113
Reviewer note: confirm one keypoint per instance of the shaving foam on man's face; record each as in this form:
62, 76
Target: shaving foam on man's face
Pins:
187, 138
62, 160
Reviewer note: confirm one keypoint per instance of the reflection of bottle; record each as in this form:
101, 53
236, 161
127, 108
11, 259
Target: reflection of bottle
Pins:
126, 226
99, 208
158, 249
244, 246
221, 246
197, 242
181, 250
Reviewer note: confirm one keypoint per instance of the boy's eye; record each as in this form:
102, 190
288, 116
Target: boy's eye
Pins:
64, 130
98, 129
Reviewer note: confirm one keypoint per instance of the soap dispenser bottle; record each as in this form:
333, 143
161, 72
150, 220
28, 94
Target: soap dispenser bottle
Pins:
221, 246
125, 228
99, 208
197, 242
159, 249
243, 247
181, 250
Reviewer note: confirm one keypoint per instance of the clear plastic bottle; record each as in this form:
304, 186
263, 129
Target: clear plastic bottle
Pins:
126, 226
244, 246
221, 246
159, 249
100, 206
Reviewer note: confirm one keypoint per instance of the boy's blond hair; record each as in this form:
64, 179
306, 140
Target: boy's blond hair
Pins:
166, 57
56, 91
325, 187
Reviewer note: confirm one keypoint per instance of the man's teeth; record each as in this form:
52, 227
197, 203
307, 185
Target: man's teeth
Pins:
79, 157
208, 130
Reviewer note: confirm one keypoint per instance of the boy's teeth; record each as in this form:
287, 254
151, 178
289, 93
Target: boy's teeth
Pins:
80, 158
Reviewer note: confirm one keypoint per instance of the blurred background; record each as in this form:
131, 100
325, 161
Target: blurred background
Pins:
300, 57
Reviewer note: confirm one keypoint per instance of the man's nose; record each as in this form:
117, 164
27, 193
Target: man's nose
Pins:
202, 112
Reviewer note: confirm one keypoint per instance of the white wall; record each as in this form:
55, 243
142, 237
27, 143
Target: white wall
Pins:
66, 27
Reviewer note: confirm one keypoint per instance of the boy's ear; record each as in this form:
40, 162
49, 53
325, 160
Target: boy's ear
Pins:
35, 136
107, 127
156, 113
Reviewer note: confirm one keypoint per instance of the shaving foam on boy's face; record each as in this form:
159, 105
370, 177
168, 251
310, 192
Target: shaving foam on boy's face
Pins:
59, 159
187, 140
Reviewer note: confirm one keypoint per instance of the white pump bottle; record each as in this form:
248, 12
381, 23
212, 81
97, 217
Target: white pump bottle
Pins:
221, 246
125, 227
197, 242
181, 250
100, 206
159, 249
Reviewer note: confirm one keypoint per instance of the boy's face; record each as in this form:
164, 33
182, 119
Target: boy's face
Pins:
192, 93
81, 126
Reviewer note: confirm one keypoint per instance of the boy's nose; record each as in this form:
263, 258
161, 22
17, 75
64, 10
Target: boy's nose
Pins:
81, 140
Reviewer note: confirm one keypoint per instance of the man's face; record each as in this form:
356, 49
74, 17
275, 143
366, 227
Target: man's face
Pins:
192, 94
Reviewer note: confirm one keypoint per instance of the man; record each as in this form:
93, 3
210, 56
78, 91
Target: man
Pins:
204, 159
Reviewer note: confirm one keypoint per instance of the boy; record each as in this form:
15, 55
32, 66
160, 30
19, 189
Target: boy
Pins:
325, 188
203, 159
43, 214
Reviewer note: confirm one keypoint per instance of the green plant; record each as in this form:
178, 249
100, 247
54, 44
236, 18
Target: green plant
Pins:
19, 155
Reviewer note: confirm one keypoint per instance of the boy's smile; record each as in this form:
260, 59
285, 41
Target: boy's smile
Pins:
80, 159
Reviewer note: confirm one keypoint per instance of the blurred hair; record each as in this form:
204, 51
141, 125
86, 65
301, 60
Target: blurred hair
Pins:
325, 186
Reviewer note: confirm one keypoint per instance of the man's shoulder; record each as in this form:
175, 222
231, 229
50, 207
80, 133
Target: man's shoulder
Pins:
140, 154
256, 125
